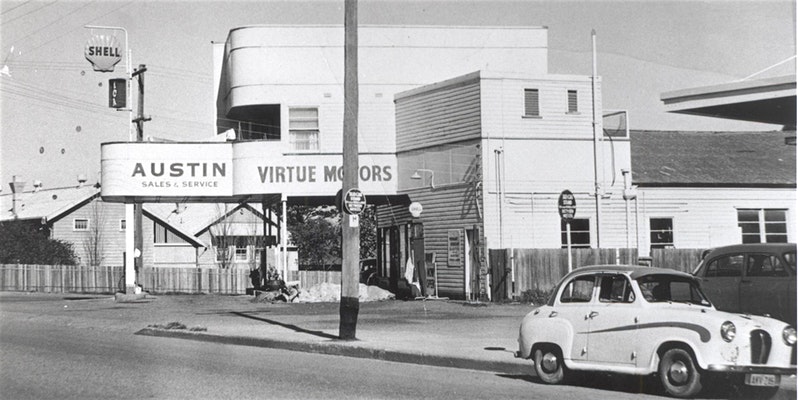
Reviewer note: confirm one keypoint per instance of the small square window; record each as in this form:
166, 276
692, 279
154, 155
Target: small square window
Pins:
580, 233
122, 225
661, 233
80, 224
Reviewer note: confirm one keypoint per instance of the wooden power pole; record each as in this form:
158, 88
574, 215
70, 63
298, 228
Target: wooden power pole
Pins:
138, 241
348, 306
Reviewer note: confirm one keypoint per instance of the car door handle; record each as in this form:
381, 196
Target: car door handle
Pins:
552, 314
593, 314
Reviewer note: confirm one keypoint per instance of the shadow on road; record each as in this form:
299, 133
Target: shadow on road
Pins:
288, 326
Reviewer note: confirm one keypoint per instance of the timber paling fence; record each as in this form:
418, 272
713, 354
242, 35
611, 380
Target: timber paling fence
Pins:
541, 269
110, 279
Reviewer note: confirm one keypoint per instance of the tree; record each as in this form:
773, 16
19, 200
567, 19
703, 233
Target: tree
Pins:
317, 233
27, 244
93, 240
318, 242
222, 236
368, 233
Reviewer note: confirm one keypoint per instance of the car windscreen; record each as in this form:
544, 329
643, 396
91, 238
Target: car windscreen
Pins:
658, 288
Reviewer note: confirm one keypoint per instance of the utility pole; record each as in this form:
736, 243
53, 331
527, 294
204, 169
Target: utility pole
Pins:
137, 210
348, 305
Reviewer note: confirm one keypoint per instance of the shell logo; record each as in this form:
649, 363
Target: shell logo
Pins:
103, 52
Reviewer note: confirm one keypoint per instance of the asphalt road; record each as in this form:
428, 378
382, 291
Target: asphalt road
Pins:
78, 357
51, 361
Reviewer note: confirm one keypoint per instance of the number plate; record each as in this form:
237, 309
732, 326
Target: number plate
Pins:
762, 380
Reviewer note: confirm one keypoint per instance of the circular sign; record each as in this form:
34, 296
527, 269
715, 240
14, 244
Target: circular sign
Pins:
415, 209
353, 202
566, 205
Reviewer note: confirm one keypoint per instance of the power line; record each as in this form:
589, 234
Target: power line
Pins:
15, 7
79, 26
54, 21
30, 12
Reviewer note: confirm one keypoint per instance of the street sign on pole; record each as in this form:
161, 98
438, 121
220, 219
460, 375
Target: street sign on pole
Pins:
566, 208
566, 205
354, 202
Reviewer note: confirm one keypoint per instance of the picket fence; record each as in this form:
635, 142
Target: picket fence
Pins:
109, 279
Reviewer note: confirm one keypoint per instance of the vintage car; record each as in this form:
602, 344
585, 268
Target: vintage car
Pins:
758, 278
644, 321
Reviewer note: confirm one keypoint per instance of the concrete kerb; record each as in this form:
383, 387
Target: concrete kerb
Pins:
348, 349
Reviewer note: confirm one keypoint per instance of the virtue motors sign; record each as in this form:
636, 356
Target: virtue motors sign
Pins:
261, 167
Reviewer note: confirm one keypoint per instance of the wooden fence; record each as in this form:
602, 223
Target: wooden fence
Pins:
60, 278
109, 279
541, 269
311, 278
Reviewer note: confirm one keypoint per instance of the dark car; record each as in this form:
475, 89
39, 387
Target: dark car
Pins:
759, 278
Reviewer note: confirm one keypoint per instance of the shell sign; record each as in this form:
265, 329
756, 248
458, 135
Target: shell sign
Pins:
103, 52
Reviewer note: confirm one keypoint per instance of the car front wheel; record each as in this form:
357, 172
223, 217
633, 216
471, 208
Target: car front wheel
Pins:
549, 365
679, 374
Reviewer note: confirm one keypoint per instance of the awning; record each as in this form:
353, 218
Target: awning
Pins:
771, 101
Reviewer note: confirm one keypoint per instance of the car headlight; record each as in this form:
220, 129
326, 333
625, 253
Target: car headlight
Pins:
728, 331
789, 336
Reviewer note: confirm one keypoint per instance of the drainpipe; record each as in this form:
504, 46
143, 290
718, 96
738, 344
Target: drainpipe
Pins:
595, 125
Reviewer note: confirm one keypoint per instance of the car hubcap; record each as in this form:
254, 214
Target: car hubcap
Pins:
549, 362
678, 372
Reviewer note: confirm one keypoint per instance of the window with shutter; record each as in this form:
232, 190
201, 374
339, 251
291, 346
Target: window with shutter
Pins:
572, 101
531, 102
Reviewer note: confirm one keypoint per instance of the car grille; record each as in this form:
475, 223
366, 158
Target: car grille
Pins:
760, 345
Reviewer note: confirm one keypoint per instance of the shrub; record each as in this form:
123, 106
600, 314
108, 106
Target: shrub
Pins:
535, 296
25, 243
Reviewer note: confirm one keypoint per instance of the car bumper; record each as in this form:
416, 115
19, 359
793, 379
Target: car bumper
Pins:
753, 369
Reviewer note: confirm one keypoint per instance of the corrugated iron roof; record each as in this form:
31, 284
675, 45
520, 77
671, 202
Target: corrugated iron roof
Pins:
721, 159
45, 203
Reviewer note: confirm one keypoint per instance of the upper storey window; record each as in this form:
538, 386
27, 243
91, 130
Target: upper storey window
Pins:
532, 103
304, 128
572, 101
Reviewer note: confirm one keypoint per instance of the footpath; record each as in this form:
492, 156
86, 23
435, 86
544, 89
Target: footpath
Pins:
457, 334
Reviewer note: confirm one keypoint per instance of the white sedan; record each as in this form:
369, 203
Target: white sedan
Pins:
642, 321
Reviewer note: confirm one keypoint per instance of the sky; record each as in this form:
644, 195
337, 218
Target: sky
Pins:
53, 106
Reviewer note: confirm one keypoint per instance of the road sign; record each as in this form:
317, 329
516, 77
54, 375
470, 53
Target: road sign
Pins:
354, 202
566, 205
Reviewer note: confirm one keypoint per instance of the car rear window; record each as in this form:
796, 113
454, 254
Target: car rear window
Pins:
765, 265
668, 288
